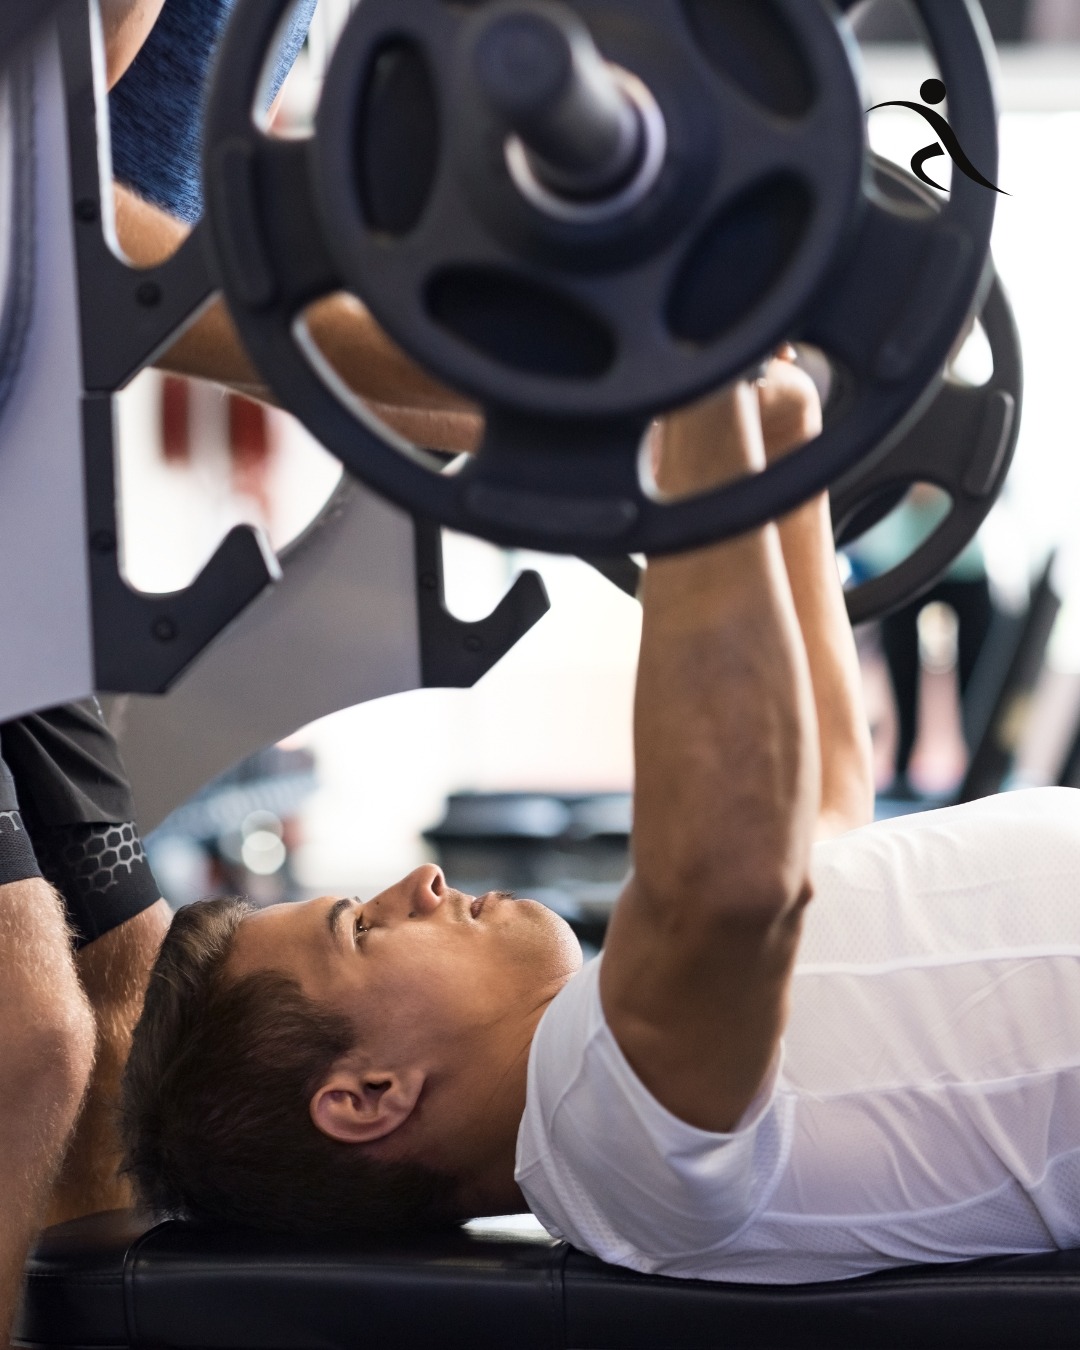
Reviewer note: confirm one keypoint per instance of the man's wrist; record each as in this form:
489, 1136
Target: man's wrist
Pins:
711, 443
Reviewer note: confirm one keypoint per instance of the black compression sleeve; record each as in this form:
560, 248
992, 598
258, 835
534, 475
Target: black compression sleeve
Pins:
78, 813
101, 872
17, 859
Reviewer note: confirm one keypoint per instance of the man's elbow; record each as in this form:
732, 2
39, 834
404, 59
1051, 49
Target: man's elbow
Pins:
846, 812
849, 803
48, 1058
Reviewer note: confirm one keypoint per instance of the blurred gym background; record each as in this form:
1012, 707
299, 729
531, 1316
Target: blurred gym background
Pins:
523, 781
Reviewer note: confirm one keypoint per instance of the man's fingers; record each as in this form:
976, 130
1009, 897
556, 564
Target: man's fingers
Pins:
711, 442
790, 408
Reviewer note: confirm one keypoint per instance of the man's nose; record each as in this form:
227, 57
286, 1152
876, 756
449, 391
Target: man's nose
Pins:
424, 890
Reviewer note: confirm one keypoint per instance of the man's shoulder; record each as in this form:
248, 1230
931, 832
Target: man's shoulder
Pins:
573, 1017
1020, 810
606, 1166
1000, 872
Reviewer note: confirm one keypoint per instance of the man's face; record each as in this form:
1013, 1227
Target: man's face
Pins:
430, 977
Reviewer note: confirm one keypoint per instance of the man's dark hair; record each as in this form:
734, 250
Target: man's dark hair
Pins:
214, 1103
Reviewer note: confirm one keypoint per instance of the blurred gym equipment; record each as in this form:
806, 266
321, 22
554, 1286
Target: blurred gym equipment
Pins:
78, 323
18, 19
359, 613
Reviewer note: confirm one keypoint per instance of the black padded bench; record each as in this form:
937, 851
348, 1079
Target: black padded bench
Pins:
115, 1281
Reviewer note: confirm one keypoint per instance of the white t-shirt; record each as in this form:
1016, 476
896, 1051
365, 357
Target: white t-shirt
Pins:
926, 1103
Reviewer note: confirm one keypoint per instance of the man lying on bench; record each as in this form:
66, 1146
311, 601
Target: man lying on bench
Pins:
794, 1061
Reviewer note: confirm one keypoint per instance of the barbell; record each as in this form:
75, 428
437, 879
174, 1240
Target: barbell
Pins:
584, 215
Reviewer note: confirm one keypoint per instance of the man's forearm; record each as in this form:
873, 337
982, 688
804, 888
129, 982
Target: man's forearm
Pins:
726, 746
404, 396
791, 416
847, 774
727, 780
45, 1060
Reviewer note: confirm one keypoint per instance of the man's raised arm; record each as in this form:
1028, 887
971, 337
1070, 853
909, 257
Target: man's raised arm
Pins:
791, 416
700, 949
397, 390
394, 387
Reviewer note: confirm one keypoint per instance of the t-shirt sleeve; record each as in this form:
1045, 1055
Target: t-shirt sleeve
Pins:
603, 1165
156, 110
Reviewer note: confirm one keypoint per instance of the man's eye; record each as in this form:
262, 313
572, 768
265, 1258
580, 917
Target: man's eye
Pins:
359, 928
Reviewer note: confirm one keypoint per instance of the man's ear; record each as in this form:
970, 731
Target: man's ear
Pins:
359, 1107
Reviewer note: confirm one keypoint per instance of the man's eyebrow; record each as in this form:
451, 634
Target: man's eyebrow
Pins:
333, 915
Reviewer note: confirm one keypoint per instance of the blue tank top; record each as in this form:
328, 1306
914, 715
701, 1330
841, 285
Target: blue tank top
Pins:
157, 108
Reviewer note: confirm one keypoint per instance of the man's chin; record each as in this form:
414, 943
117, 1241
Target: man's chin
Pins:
559, 938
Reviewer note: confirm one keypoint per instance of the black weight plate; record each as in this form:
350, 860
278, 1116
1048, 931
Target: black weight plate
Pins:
963, 443
732, 167
559, 466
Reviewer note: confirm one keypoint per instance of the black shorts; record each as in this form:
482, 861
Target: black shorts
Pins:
62, 770
66, 766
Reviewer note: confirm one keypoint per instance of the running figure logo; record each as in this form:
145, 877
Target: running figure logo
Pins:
933, 91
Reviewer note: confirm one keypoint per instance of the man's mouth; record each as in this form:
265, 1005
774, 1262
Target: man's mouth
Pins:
483, 901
